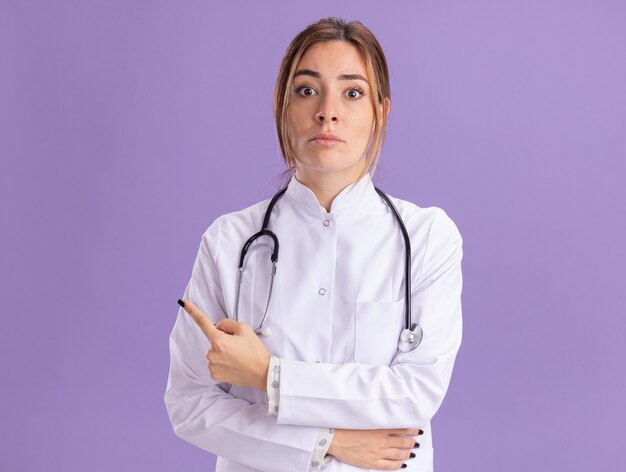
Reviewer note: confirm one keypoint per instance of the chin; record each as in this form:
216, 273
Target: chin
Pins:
329, 169
327, 161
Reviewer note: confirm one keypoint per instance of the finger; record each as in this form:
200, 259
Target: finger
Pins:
203, 321
229, 326
402, 442
409, 431
384, 464
398, 454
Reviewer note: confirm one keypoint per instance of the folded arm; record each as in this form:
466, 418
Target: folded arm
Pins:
203, 412
406, 393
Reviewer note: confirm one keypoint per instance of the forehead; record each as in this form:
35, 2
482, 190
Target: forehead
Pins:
333, 57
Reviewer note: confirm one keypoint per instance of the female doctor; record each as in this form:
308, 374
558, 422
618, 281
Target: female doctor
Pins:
303, 369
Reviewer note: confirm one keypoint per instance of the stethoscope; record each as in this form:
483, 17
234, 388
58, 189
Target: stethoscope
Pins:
412, 334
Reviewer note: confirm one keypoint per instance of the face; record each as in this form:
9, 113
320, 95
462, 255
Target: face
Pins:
330, 95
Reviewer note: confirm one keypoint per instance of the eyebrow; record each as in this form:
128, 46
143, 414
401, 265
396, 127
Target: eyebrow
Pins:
317, 75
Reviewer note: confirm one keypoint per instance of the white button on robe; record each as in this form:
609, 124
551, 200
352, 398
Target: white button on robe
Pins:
340, 367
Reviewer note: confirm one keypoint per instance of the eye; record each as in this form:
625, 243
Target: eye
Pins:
305, 91
355, 93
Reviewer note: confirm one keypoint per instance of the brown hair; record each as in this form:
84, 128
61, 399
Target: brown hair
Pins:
335, 29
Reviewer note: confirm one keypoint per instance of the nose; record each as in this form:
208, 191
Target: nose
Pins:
323, 117
327, 112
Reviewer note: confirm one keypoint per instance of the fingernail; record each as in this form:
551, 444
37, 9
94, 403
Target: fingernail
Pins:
416, 445
412, 455
181, 303
421, 432
403, 466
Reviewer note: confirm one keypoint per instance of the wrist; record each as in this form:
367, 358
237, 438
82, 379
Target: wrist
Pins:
263, 371
332, 449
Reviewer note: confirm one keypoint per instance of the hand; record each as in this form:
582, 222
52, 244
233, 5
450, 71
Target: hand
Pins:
237, 355
373, 448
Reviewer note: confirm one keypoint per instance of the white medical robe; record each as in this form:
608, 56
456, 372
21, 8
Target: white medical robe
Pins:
336, 312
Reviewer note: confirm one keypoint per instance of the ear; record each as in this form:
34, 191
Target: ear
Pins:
385, 107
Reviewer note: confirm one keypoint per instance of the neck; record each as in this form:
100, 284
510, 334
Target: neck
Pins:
325, 186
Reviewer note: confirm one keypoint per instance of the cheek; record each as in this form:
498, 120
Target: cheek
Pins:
365, 121
366, 128
294, 124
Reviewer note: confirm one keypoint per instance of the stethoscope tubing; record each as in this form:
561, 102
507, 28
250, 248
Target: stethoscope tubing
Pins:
274, 257
407, 259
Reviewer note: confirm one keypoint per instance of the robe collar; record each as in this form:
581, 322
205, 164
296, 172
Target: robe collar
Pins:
359, 193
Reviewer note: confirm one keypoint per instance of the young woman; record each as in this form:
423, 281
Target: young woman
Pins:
312, 367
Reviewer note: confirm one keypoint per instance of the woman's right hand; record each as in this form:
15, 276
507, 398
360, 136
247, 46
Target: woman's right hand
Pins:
373, 448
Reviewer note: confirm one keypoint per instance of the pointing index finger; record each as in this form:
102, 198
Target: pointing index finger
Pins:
203, 321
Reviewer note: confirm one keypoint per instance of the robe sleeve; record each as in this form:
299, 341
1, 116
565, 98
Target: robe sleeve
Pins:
202, 411
408, 392
320, 457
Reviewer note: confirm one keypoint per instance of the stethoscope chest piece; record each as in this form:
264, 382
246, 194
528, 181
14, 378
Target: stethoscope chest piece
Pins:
265, 332
410, 339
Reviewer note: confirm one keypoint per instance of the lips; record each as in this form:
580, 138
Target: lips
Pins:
326, 137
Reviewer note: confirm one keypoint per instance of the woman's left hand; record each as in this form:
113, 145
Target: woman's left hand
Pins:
237, 355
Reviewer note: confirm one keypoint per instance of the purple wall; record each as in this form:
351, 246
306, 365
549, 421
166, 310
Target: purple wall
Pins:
127, 127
